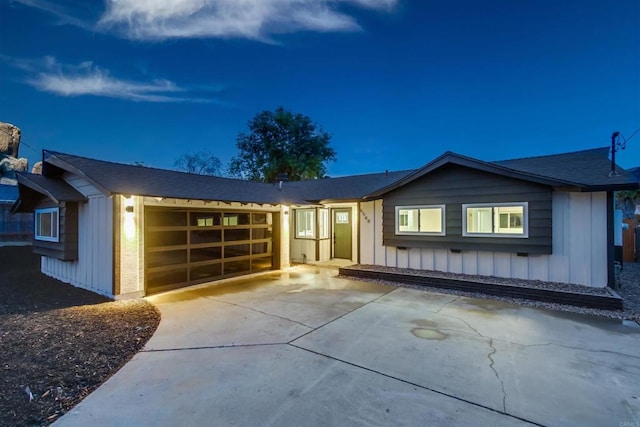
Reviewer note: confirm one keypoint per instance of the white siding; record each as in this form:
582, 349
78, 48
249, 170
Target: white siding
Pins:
93, 270
579, 247
303, 250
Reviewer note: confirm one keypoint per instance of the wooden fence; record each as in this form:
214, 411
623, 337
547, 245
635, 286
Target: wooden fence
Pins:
16, 228
629, 249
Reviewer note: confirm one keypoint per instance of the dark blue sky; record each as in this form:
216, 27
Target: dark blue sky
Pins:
396, 83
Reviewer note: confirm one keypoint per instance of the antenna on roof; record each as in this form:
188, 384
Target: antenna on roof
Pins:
616, 145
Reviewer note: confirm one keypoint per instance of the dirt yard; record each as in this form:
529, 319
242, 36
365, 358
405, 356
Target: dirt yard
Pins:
58, 343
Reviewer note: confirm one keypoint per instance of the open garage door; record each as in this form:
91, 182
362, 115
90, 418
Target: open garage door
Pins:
184, 247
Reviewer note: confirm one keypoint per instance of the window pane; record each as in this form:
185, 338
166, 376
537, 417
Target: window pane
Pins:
231, 235
233, 219
236, 250
159, 259
323, 223
479, 220
166, 238
206, 254
206, 236
236, 267
45, 224
203, 272
165, 218
259, 218
509, 219
431, 220
205, 219
54, 224
260, 248
261, 233
261, 264
305, 221
162, 278
408, 220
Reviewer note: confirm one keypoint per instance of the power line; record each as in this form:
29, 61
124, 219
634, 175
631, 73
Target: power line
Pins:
632, 135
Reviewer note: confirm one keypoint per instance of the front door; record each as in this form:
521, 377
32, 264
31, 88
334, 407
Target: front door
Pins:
342, 233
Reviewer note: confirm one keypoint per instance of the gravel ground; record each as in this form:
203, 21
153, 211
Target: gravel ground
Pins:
58, 343
628, 279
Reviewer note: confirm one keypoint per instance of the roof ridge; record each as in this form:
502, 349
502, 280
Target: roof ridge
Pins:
550, 155
152, 167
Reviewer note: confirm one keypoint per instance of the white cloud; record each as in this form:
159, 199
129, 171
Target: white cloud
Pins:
253, 19
65, 15
88, 79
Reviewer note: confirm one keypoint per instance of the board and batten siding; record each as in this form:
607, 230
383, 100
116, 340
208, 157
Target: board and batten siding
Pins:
453, 186
579, 246
93, 268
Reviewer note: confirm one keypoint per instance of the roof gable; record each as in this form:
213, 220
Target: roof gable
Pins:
33, 188
460, 160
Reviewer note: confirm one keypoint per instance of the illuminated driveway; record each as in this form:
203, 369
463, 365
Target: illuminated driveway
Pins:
304, 347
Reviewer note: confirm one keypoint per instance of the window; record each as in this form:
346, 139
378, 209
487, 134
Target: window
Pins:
495, 220
305, 223
323, 223
46, 224
427, 220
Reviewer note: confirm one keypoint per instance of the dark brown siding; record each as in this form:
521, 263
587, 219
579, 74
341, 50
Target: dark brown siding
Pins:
66, 249
453, 185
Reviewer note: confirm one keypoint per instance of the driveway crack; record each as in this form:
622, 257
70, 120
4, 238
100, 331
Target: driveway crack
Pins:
263, 312
495, 371
447, 303
342, 315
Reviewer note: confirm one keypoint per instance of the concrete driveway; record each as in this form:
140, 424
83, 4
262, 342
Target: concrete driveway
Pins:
304, 347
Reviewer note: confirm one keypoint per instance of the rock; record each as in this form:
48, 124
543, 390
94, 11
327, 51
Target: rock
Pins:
9, 166
8, 181
9, 139
37, 168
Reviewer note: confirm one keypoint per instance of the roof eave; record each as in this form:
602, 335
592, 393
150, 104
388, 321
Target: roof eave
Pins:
50, 157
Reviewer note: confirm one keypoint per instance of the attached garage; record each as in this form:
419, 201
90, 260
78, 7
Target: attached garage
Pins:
189, 246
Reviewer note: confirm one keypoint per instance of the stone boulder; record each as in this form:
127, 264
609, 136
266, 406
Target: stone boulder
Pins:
9, 140
37, 168
8, 181
9, 166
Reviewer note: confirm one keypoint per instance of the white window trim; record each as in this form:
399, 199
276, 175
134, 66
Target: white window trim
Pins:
525, 220
313, 224
443, 221
36, 225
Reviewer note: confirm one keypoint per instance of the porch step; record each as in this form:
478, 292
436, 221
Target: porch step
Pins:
612, 301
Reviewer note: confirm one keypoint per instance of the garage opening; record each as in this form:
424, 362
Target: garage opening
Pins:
185, 247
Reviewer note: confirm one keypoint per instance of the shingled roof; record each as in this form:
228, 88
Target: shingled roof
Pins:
35, 187
347, 188
118, 178
588, 168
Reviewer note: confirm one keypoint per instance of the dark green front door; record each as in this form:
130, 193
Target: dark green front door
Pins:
342, 233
